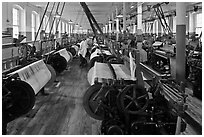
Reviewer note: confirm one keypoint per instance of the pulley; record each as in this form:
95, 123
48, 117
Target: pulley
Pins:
72, 51
133, 99
58, 62
91, 106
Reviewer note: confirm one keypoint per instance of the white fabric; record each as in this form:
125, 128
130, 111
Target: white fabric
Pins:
102, 45
102, 71
106, 52
132, 67
35, 74
157, 43
122, 72
98, 51
95, 54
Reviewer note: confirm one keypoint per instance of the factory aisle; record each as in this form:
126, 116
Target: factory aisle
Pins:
61, 112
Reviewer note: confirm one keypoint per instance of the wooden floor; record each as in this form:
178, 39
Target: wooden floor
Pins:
61, 112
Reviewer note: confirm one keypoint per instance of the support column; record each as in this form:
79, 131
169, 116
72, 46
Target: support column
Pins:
159, 28
117, 24
180, 40
124, 16
106, 28
69, 30
113, 28
134, 28
110, 29
139, 17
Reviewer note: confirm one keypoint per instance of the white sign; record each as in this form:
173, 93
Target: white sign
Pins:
35, 74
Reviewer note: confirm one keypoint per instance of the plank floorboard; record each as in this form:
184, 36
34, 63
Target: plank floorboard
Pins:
61, 112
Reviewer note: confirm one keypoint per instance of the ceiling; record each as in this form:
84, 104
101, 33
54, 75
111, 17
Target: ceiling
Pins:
102, 11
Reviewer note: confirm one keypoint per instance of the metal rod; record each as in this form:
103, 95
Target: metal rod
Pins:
92, 26
41, 23
50, 16
54, 18
178, 126
60, 14
85, 7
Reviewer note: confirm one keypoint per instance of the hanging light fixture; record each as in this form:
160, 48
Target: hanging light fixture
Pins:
195, 8
149, 7
70, 21
110, 21
119, 16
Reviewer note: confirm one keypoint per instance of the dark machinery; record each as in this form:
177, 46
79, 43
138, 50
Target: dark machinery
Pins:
18, 96
94, 25
194, 65
103, 58
126, 108
195, 76
159, 61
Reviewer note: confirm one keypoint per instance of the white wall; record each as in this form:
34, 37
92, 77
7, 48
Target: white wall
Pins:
26, 30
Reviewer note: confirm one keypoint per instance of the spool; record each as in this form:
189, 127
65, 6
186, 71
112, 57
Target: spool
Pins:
90, 106
76, 49
58, 62
23, 97
72, 51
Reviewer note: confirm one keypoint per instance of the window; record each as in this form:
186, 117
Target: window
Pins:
46, 24
16, 22
19, 21
34, 24
198, 25
66, 27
